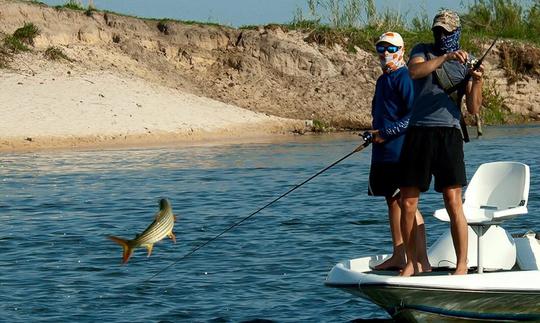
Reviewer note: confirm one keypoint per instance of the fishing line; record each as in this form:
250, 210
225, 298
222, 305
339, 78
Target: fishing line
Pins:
367, 140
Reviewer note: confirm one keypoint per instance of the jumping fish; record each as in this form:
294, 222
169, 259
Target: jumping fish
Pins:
161, 227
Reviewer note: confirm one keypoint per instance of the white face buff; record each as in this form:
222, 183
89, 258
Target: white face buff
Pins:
391, 61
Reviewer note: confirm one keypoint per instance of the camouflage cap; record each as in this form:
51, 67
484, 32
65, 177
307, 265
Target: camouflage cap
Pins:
447, 19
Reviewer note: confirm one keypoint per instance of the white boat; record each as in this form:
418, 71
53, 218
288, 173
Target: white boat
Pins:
504, 279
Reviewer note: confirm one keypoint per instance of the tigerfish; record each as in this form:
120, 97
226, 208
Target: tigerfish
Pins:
161, 227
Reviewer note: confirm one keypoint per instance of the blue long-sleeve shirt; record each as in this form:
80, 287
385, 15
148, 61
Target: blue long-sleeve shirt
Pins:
391, 110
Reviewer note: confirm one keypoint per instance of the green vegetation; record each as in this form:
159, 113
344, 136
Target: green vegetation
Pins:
504, 18
520, 59
163, 26
20, 39
356, 23
27, 33
319, 126
71, 4
55, 53
90, 11
494, 110
14, 45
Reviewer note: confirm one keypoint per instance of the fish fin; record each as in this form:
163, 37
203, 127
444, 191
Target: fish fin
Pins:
172, 236
174, 218
126, 247
149, 247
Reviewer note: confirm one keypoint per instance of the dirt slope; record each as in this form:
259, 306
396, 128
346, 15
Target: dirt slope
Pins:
264, 70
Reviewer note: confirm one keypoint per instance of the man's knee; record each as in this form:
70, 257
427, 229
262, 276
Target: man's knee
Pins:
409, 204
452, 198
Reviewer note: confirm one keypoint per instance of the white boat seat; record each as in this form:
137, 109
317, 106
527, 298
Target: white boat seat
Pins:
491, 215
497, 192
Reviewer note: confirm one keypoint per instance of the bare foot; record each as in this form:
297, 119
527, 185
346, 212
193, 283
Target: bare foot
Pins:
461, 271
392, 263
424, 266
412, 269
408, 270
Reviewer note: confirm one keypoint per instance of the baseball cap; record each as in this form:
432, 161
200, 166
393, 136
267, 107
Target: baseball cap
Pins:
391, 38
447, 19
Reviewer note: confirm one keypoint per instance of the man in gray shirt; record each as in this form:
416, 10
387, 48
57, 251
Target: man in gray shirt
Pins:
433, 143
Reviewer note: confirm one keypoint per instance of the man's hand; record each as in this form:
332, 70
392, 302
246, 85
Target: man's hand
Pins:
459, 55
473, 91
377, 139
477, 74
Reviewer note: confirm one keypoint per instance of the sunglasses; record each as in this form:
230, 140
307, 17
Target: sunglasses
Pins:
390, 48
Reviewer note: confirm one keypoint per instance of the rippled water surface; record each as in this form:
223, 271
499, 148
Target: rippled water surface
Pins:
56, 209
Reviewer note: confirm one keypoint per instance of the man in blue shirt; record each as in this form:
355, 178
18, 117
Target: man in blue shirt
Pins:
391, 110
433, 144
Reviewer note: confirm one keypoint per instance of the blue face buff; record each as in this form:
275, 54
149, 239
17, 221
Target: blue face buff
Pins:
447, 42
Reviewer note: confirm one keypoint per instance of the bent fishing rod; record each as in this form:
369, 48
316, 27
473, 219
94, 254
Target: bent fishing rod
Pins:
472, 65
366, 136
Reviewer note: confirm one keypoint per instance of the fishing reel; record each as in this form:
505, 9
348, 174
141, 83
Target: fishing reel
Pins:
471, 63
367, 136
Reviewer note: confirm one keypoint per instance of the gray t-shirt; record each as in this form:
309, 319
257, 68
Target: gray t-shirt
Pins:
432, 107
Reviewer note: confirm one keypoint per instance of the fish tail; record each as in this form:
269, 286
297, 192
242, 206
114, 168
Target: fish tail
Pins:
126, 246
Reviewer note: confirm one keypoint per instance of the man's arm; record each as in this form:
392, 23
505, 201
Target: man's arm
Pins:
420, 68
398, 127
473, 92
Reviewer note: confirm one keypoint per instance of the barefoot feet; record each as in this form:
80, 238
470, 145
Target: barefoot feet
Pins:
392, 263
415, 268
460, 270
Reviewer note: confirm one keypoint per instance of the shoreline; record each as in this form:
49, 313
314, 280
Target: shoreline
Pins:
250, 134
141, 141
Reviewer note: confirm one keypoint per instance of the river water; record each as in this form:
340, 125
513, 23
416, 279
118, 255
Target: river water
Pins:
57, 208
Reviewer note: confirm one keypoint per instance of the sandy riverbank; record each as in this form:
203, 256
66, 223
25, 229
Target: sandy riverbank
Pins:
63, 107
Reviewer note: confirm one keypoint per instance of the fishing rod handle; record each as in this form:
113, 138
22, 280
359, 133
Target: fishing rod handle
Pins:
368, 137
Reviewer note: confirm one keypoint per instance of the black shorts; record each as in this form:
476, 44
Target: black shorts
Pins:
384, 180
436, 151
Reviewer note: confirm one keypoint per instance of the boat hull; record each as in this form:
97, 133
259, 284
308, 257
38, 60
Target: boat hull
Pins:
437, 296
421, 304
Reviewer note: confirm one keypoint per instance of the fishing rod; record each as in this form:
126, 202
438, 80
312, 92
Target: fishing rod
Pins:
366, 136
472, 65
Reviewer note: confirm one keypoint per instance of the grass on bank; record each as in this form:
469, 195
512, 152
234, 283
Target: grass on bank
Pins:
357, 23
55, 53
71, 4
494, 109
17, 42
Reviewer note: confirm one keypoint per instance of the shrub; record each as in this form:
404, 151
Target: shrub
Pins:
518, 60
319, 126
163, 26
90, 11
55, 53
493, 107
71, 4
27, 33
14, 45
504, 18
